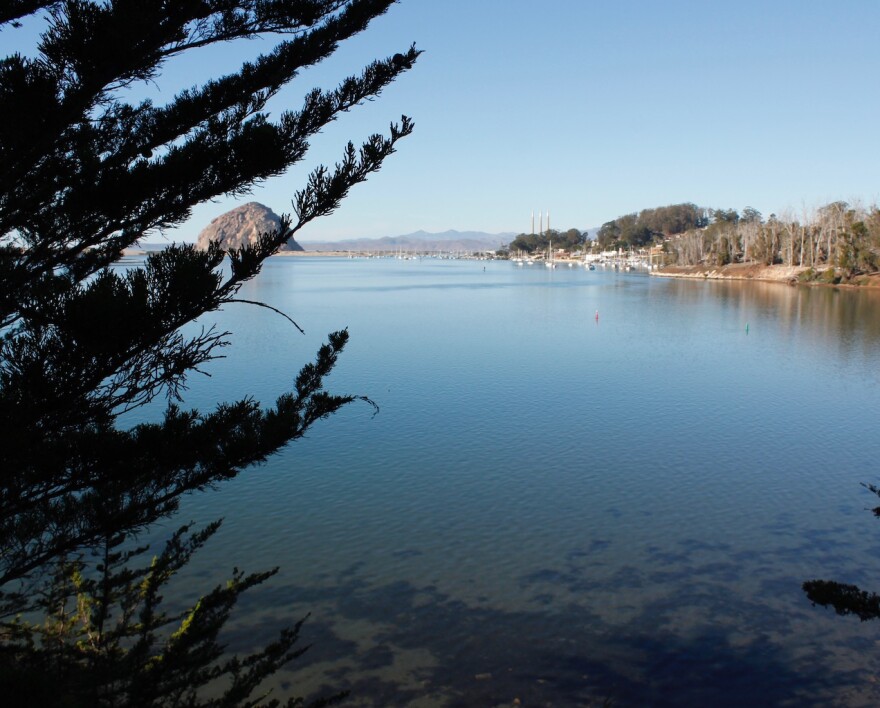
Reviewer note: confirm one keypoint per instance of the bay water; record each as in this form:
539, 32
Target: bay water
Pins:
580, 486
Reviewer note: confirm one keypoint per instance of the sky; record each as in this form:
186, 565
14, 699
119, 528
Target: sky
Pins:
586, 108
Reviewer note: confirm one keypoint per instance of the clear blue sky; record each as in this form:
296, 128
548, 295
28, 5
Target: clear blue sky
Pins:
591, 110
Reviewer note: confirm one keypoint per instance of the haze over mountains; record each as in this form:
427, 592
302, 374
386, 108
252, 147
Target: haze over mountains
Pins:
244, 224
419, 240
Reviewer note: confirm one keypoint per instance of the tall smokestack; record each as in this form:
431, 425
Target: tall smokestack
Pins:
533, 222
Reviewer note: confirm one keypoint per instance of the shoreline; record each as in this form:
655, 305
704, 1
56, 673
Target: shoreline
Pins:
307, 254
773, 274
788, 275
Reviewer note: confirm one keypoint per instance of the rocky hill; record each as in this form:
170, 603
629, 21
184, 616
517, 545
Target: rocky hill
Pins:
243, 225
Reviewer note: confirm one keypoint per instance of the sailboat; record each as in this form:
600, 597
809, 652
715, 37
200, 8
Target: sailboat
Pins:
550, 263
588, 264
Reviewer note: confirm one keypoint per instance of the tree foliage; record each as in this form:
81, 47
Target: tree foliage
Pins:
841, 239
83, 175
638, 229
535, 243
844, 598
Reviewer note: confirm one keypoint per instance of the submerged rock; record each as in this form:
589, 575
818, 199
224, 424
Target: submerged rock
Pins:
243, 225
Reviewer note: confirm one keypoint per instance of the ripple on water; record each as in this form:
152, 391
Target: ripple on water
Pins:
576, 509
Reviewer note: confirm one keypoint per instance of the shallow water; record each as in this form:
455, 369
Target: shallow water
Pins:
555, 507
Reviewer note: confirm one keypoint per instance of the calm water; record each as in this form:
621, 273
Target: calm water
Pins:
554, 508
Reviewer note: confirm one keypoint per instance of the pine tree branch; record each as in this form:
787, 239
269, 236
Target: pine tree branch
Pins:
268, 307
845, 599
11, 11
231, 150
127, 480
84, 177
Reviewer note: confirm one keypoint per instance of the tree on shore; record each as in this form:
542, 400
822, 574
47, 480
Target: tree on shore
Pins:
83, 175
535, 243
640, 228
841, 239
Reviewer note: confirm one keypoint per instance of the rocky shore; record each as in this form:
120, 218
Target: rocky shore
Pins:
752, 271
734, 271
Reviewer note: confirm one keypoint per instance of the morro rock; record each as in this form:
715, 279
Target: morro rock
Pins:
243, 225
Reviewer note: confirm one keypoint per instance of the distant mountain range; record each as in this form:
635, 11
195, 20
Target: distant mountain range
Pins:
417, 241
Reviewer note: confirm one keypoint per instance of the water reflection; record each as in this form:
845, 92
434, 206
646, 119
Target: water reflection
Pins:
555, 511
397, 644
845, 319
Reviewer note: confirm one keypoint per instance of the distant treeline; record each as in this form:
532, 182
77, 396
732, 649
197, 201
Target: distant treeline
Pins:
839, 238
836, 236
648, 225
570, 240
631, 230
